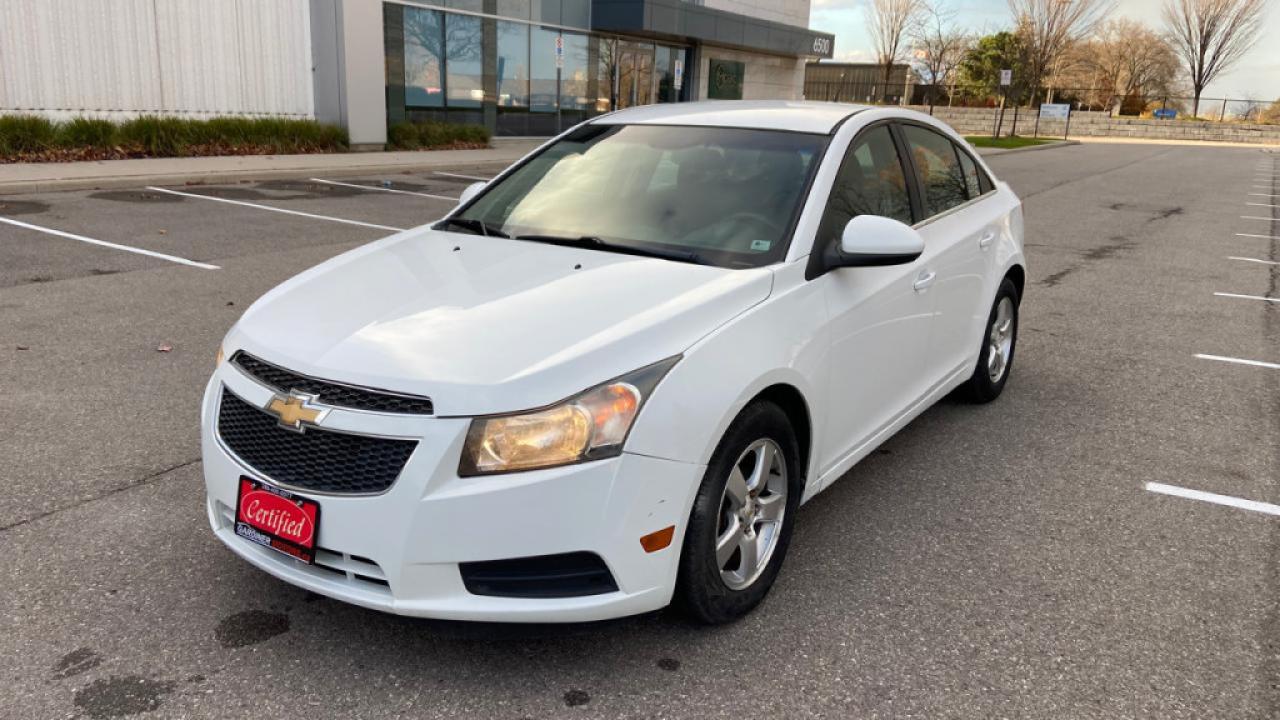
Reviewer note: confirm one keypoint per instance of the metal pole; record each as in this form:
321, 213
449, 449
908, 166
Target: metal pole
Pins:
1036, 132
1067, 131
1223, 116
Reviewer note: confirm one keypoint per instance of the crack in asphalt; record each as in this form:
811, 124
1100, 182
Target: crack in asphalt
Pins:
140, 482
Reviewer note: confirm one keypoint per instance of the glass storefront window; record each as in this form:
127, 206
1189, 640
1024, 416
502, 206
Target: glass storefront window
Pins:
665, 63
423, 58
544, 70
513, 65
464, 79
607, 72
574, 78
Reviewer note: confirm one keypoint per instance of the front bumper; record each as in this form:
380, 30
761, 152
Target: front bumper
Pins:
399, 551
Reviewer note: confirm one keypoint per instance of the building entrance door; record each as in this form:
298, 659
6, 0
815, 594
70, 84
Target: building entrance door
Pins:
635, 74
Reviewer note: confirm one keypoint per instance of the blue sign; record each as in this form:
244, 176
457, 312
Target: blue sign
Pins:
1166, 113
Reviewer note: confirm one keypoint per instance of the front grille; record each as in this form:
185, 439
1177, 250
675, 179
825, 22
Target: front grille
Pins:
331, 393
545, 576
317, 460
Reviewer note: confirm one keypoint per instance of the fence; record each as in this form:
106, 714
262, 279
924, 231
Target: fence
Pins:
1091, 99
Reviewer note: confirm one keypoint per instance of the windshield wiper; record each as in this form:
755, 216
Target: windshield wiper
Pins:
591, 242
476, 226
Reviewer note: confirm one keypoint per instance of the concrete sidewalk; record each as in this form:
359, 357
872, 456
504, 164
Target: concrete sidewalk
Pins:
46, 177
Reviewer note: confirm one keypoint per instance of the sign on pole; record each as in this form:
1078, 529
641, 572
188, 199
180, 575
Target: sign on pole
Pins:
1006, 78
559, 52
1054, 111
678, 73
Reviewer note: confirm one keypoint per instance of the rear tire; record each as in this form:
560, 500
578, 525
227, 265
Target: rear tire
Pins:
742, 517
999, 340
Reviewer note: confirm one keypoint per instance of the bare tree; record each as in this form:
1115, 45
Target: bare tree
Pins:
1050, 27
890, 22
939, 46
1211, 36
1131, 61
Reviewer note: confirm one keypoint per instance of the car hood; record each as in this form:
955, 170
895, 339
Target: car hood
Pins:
487, 325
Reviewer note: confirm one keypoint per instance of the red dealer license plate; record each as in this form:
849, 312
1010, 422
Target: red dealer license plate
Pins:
277, 519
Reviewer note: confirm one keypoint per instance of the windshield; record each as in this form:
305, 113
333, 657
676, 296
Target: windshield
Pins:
721, 196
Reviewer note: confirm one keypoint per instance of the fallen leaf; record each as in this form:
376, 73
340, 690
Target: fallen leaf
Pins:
165, 348
24, 347
164, 232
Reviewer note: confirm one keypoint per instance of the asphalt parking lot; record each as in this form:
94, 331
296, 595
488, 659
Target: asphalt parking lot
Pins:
1009, 560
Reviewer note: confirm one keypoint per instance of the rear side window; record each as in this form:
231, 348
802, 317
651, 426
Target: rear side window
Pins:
970, 167
870, 182
942, 179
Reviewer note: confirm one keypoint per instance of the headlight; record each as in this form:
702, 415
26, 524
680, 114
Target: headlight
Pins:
588, 426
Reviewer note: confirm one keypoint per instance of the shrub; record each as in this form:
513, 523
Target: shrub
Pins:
87, 132
158, 136
25, 134
412, 136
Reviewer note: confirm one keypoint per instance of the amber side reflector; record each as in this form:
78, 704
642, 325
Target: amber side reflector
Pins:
655, 541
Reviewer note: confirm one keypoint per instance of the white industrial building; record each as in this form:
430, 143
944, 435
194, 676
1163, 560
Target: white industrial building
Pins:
520, 67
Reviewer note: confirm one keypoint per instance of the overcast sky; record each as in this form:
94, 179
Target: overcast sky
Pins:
1257, 75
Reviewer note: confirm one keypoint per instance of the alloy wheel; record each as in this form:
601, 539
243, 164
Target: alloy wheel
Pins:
751, 510
1000, 340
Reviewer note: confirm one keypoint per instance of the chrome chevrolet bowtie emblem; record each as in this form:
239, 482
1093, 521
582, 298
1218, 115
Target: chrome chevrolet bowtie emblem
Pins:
296, 410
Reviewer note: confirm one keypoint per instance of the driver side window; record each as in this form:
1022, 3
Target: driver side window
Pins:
870, 182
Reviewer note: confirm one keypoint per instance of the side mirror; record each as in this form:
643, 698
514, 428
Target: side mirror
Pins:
872, 241
472, 190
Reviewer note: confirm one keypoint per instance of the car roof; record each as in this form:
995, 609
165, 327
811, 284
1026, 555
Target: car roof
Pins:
789, 115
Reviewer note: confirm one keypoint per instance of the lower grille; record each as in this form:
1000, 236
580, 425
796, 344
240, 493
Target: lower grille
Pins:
546, 576
316, 460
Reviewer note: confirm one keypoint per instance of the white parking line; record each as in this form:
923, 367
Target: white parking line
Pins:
1264, 195
1248, 297
383, 189
1263, 237
276, 209
1209, 497
1239, 361
113, 246
1253, 204
1255, 217
1253, 260
461, 177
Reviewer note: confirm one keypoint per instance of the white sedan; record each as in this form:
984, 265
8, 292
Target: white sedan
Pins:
608, 379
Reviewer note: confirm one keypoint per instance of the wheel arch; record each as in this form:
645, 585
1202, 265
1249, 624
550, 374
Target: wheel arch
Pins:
1018, 275
792, 401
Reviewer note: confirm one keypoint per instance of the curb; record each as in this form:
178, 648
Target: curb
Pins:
1030, 148
202, 177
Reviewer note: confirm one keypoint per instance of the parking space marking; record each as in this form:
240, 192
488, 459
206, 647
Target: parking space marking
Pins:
1253, 204
1239, 361
1264, 237
113, 246
1263, 195
1255, 217
1209, 497
1248, 297
1253, 260
279, 210
383, 189
461, 177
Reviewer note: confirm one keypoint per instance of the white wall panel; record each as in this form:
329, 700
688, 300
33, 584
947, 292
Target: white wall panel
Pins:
63, 58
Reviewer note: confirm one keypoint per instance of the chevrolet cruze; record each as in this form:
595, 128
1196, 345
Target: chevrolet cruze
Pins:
607, 380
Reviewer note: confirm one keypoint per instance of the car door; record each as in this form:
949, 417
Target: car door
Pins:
878, 319
957, 233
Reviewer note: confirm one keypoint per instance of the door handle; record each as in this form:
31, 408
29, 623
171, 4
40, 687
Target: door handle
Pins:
924, 280
987, 239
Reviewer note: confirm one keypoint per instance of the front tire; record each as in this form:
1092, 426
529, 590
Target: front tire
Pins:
998, 342
742, 517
